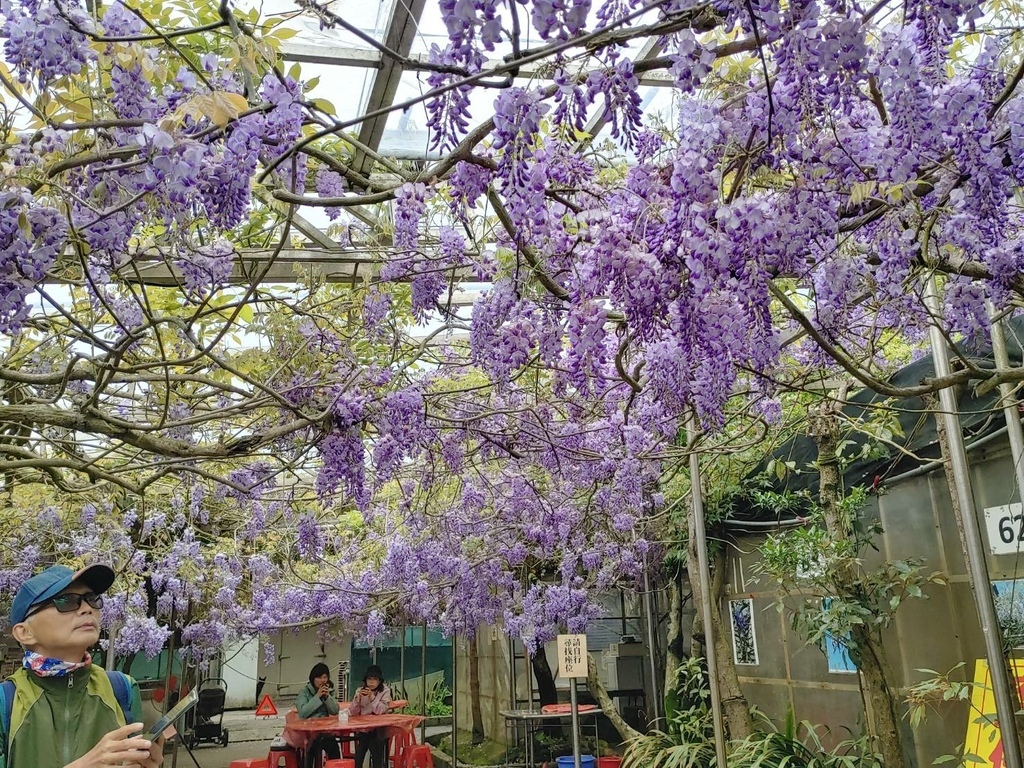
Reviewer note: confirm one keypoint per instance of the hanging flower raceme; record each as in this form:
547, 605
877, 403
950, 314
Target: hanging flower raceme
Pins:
44, 41
31, 236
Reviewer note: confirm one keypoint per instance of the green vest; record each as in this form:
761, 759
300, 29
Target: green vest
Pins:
56, 720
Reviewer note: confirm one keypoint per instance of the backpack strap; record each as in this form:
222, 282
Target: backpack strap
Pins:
121, 684
6, 707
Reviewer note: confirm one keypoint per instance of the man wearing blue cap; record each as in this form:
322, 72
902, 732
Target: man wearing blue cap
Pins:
65, 712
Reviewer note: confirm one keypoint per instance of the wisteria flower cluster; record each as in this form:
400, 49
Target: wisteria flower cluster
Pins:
227, 441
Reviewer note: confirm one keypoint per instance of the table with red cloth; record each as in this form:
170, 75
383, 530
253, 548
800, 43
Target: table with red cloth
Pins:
299, 732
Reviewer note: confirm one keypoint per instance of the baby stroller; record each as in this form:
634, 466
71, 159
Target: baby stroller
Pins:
207, 718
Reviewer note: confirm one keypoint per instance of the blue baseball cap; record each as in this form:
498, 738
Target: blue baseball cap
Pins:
55, 580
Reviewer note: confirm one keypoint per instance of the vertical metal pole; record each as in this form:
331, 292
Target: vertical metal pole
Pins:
423, 682
401, 663
455, 701
1013, 428
527, 659
528, 663
574, 708
167, 683
280, 660
704, 574
975, 554
512, 674
651, 650
110, 663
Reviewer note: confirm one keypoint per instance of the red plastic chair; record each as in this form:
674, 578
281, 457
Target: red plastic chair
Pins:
248, 762
419, 757
288, 758
348, 748
399, 748
342, 763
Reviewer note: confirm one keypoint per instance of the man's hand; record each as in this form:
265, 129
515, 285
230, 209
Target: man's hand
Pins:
123, 747
156, 754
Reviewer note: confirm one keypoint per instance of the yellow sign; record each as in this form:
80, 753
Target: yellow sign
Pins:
983, 739
572, 656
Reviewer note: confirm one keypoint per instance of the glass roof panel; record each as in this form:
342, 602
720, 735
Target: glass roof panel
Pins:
407, 137
432, 29
346, 88
370, 17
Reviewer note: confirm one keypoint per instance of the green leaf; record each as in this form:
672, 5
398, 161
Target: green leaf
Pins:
325, 106
284, 33
861, 191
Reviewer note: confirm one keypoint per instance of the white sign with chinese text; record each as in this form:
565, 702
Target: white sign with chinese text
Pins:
572, 656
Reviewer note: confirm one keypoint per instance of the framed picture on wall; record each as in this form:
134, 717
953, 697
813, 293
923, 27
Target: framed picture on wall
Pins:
839, 661
1008, 596
836, 650
744, 641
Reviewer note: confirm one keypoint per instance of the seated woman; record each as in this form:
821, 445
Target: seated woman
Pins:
315, 700
374, 698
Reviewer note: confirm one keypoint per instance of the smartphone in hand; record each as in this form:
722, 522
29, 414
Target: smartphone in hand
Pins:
184, 705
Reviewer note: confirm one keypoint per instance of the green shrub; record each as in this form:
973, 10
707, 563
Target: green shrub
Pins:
689, 739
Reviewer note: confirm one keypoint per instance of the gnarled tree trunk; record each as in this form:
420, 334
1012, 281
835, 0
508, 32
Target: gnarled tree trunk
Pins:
474, 691
882, 703
545, 679
735, 708
674, 649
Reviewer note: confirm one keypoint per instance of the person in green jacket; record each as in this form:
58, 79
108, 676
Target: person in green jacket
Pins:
65, 713
315, 700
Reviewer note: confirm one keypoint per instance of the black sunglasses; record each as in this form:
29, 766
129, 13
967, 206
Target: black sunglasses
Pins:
68, 603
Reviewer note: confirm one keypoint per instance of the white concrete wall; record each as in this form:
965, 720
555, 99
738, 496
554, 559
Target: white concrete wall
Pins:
295, 655
239, 669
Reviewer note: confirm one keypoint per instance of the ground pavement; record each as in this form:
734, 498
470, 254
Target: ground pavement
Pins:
248, 736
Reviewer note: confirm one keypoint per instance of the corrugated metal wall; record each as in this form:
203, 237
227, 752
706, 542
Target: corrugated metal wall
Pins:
936, 633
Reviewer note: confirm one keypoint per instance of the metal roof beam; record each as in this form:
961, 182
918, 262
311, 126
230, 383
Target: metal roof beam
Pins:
344, 56
151, 267
339, 56
305, 227
399, 37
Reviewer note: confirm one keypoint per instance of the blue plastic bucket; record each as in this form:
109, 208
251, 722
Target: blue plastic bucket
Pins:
586, 761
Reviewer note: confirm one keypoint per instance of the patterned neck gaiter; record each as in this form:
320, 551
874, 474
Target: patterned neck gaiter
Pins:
44, 666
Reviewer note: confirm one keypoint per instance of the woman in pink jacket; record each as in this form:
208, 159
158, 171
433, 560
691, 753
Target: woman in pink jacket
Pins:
374, 698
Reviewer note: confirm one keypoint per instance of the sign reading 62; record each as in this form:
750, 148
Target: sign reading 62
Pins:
1005, 528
